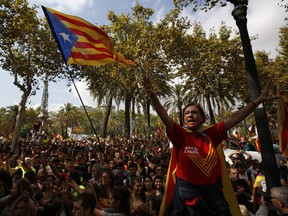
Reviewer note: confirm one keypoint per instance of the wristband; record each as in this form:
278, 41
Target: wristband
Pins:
254, 104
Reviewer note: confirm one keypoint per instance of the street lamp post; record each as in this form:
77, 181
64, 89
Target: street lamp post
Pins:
268, 157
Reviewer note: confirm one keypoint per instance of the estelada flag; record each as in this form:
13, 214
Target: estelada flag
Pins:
226, 182
283, 122
80, 42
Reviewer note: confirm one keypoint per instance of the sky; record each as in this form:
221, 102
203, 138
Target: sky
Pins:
264, 21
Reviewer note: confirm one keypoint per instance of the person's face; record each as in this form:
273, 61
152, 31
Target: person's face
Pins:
148, 183
78, 210
94, 172
40, 174
234, 174
112, 202
70, 166
137, 187
193, 118
105, 179
159, 170
132, 171
120, 171
20, 209
158, 184
14, 191
49, 182
276, 202
112, 164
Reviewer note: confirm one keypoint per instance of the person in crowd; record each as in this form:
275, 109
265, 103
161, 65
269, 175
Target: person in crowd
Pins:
253, 168
119, 203
138, 197
49, 188
159, 186
243, 174
96, 172
5, 183
241, 188
19, 188
132, 168
41, 178
74, 182
260, 186
7, 201
240, 156
283, 170
276, 203
193, 147
104, 188
84, 205
119, 176
159, 169
159, 192
149, 188
56, 207
21, 206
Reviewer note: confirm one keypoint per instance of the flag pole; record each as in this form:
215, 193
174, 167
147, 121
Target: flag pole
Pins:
72, 79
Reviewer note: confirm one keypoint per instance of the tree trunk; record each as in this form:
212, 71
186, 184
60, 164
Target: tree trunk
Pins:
180, 117
107, 114
127, 116
211, 114
18, 123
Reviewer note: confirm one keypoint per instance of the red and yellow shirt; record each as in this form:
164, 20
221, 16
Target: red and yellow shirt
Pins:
196, 156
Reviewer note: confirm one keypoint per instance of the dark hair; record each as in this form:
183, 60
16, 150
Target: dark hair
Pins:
25, 185
122, 194
75, 175
132, 165
6, 179
31, 176
53, 207
159, 177
88, 201
19, 199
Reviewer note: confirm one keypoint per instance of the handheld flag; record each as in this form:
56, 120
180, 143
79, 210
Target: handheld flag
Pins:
80, 42
283, 122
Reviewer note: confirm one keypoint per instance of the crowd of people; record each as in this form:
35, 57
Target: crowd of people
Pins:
125, 177
130, 177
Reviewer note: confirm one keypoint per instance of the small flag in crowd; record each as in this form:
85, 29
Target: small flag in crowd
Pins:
283, 122
252, 132
80, 42
159, 130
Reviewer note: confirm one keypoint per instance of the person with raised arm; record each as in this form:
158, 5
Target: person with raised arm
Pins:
198, 186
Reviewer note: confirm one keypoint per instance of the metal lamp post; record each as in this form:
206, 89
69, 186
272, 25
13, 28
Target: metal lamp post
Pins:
268, 157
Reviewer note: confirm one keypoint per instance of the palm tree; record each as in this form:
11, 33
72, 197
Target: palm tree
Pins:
176, 100
69, 115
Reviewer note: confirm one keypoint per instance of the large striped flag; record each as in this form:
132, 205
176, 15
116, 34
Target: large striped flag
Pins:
80, 42
283, 122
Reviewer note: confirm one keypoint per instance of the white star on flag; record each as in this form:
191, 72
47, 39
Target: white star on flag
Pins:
65, 36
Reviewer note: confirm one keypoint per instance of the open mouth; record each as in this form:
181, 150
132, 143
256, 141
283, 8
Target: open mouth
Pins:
191, 120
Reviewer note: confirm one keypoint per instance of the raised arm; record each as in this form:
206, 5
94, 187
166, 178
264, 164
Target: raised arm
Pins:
241, 114
161, 111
